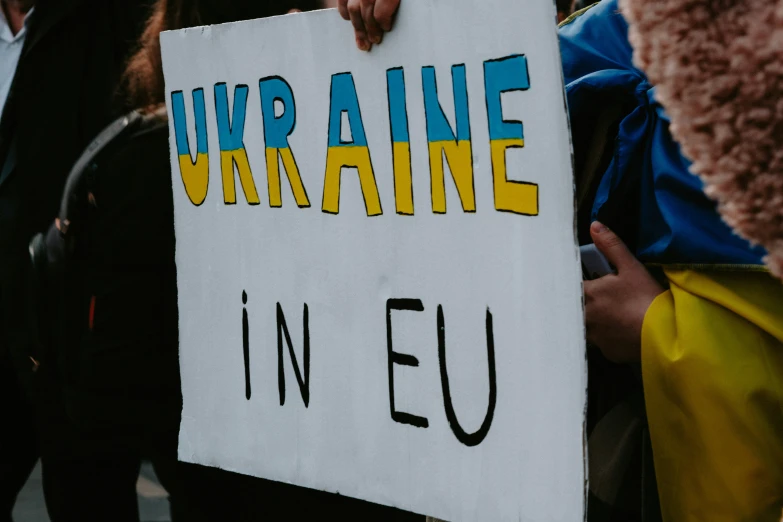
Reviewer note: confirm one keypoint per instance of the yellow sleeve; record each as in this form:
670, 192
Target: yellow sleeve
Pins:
712, 364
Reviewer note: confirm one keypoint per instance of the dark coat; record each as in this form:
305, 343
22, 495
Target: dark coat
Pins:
123, 371
63, 94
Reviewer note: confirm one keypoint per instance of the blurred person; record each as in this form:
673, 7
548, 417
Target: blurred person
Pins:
120, 289
60, 61
18, 448
690, 303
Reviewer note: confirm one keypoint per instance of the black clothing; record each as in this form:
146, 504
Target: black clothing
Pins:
248, 499
102, 488
123, 374
17, 440
62, 94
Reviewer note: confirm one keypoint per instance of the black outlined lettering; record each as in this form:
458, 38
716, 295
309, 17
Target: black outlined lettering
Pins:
246, 345
231, 132
468, 439
282, 329
342, 154
505, 75
277, 130
414, 305
400, 141
443, 141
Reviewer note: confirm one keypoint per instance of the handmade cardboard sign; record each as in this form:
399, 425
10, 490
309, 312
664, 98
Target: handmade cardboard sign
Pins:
379, 287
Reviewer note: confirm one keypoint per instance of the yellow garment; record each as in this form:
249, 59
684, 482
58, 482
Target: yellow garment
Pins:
712, 362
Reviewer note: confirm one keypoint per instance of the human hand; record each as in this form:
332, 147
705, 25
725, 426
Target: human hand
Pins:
370, 19
615, 305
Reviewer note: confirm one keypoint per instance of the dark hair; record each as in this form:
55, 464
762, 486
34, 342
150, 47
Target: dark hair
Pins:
143, 78
23, 5
565, 6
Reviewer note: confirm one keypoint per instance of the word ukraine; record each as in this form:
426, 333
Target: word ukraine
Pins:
500, 76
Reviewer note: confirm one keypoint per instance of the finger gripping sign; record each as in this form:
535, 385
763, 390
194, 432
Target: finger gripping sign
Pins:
378, 282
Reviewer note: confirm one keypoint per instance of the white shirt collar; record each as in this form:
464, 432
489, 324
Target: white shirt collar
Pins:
5, 28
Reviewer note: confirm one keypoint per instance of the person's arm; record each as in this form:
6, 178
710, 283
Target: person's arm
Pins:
370, 19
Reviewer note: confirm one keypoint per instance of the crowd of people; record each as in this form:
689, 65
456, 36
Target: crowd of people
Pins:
685, 339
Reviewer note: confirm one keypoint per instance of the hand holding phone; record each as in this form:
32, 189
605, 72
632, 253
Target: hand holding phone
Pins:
594, 264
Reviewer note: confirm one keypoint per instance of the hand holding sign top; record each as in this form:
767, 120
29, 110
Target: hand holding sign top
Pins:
615, 305
370, 19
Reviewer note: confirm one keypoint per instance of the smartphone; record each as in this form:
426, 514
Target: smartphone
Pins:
594, 264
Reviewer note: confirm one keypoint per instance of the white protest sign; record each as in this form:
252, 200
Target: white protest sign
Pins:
379, 288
